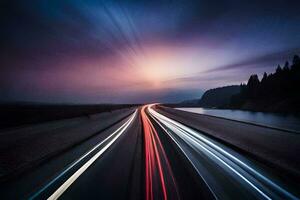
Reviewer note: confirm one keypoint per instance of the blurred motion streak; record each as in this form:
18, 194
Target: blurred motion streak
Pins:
156, 164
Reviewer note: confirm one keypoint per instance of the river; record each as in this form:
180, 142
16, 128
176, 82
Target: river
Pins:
283, 121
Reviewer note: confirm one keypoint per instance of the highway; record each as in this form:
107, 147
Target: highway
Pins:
227, 174
151, 156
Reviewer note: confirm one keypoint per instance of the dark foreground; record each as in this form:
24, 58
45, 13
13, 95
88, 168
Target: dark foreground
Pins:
157, 153
18, 114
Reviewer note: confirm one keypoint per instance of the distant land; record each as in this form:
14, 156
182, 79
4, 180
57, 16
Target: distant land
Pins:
24, 113
214, 98
276, 92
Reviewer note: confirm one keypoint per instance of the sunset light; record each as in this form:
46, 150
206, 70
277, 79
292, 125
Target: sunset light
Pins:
150, 99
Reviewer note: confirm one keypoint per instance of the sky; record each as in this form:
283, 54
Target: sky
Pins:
92, 51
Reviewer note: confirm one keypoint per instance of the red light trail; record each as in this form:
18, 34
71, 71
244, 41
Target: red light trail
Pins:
155, 156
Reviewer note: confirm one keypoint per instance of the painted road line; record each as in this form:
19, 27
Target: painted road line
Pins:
248, 174
82, 169
114, 136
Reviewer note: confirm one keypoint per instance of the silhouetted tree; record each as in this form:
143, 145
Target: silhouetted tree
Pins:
278, 70
282, 86
296, 60
263, 86
295, 76
252, 86
264, 79
286, 66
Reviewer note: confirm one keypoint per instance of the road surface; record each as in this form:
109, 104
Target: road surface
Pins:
149, 156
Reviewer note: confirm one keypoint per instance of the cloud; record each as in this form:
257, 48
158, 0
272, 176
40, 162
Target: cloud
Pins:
261, 61
86, 43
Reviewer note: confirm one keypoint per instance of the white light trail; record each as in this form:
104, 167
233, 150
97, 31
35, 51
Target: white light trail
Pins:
83, 168
114, 136
264, 186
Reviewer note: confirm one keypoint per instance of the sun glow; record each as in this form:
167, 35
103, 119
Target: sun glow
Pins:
157, 67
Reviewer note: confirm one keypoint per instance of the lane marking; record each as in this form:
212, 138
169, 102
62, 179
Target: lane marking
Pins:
191, 135
63, 187
83, 168
75, 163
194, 166
186, 137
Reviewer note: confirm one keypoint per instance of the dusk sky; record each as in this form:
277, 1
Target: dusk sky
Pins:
139, 51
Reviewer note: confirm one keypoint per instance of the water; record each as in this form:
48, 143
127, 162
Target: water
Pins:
283, 121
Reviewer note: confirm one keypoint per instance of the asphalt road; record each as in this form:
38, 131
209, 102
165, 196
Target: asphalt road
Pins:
228, 174
271, 146
150, 156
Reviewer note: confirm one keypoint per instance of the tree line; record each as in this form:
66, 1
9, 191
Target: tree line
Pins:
283, 85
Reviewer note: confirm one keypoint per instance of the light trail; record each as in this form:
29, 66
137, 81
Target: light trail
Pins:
189, 140
153, 162
110, 139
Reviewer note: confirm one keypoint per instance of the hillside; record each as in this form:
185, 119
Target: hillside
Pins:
276, 92
218, 97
